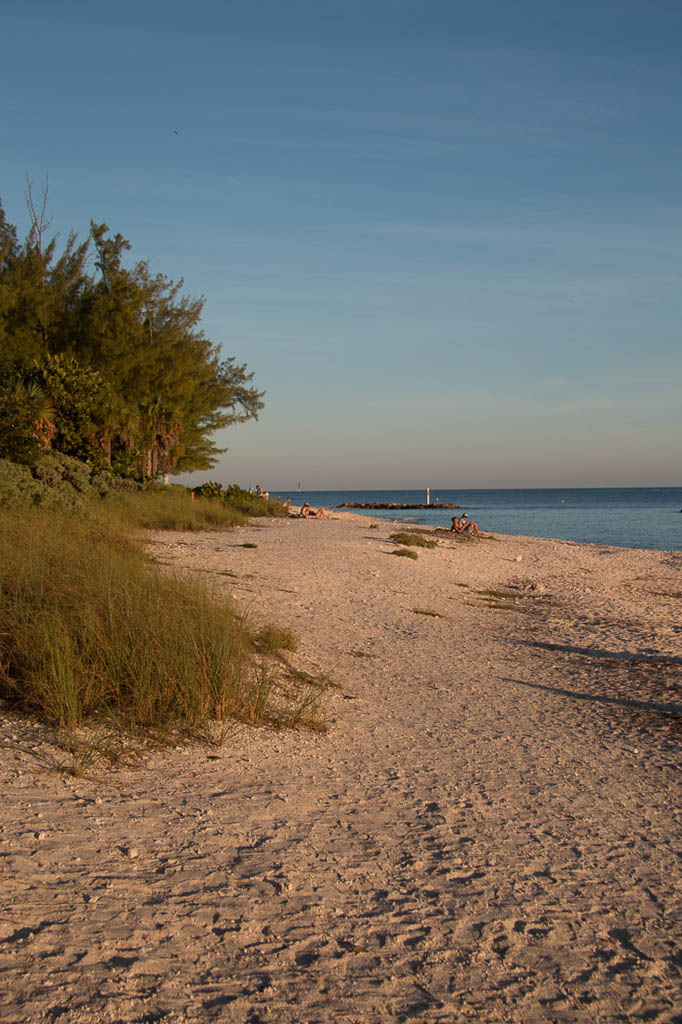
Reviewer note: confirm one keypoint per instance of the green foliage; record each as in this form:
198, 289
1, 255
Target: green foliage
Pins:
135, 383
80, 397
413, 540
17, 486
210, 489
236, 493
23, 407
55, 481
405, 553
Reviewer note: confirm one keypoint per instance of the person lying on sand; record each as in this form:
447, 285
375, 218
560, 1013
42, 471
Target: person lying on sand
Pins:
309, 513
462, 525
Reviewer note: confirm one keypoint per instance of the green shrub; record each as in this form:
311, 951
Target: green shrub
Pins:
80, 397
405, 553
210, 489
21, 405
55, 481
413, 540
17, 486
237, 493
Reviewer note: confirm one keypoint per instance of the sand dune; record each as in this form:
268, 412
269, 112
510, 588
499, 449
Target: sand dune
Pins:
489, 830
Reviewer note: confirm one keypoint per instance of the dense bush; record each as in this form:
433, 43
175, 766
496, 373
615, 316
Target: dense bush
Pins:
17, 486
210, 489
55, 481
25, 411
115, 351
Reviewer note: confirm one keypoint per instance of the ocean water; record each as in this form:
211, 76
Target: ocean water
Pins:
634, 517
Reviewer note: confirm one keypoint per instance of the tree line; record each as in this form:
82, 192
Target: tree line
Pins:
107, 365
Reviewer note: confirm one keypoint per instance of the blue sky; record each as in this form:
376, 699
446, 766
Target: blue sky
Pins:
445, 236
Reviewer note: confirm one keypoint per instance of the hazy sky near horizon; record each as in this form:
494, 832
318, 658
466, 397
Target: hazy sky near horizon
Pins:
445, 236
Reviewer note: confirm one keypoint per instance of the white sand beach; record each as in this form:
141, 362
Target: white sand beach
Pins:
489, 830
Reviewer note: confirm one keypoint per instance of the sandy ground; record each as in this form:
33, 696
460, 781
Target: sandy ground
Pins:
488, 831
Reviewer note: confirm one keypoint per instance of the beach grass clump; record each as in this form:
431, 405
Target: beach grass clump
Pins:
169, 508
248, 544
93, 632
275, 638
405, 553
428, 611
254, 506
176, 508
414, 540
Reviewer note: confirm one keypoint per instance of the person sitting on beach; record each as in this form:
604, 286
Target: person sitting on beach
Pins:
462, 525
309, 513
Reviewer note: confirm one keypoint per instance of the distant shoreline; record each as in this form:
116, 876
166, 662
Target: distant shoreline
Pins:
644, 518
393, 505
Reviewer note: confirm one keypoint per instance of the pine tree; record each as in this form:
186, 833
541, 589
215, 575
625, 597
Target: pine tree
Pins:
120, 353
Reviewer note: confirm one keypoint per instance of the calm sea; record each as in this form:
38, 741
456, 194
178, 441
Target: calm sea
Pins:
637, 517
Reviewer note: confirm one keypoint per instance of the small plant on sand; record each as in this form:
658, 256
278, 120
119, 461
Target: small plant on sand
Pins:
428, 611
405, 553
413, 540
248, 544
274, 638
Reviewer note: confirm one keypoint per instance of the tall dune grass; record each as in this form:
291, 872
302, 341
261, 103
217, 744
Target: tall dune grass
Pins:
175, 508
91, 630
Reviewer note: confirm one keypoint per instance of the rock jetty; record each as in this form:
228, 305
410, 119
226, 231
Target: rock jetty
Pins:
392, 505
